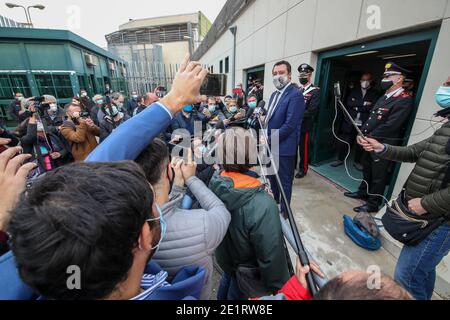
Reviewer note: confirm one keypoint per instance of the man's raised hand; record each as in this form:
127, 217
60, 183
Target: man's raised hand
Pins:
186, 86
13, 178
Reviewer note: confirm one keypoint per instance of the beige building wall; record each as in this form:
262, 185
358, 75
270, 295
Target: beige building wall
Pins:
174, 52
297, 30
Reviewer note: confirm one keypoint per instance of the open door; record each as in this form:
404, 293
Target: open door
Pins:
325, 143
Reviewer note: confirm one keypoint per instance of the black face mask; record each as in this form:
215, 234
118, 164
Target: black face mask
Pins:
303, 81
386, 85
171, 181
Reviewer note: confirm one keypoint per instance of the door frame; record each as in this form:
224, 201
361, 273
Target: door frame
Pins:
323, 73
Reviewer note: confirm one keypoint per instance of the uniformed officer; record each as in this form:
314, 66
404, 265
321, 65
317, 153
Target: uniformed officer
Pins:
359, 103
386, 123
311, 94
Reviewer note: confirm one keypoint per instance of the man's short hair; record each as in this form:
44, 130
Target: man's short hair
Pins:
357, 288
87, 215
252, 96
283, 62
70, 105
154, 160
116, 95
237, 150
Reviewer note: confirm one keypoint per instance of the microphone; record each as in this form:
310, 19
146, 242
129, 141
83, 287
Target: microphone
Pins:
260, 109
444, 113
252, 119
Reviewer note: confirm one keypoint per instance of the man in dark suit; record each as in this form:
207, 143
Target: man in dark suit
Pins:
386, 123
284, 119
311, 94
359, 103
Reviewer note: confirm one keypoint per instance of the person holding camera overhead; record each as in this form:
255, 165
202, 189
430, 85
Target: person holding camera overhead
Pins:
80, 131
48, 150
111, 115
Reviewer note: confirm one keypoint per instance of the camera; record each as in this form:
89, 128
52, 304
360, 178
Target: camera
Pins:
214, 85
84, 114
39, 106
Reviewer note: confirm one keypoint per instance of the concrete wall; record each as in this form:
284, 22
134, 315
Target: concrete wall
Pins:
296, 30
174, 52
160, 21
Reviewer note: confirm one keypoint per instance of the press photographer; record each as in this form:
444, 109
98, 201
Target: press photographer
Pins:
80, 131
111, 115
47, 148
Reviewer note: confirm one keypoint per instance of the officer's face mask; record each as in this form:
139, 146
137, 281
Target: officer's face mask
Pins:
163, 226
443, 96
386, 84
233, 109
365, 84
280, 81
303, 81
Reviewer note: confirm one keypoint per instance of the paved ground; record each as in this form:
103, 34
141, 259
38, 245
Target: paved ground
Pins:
319, 206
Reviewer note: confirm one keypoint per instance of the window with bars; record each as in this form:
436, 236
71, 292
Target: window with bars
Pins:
59, 86
11, 84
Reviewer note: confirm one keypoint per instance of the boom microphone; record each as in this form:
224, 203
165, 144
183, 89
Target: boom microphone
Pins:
444, 113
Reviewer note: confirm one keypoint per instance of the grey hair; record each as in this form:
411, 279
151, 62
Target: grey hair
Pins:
116, 95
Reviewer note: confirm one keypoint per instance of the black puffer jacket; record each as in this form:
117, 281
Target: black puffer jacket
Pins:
425, 181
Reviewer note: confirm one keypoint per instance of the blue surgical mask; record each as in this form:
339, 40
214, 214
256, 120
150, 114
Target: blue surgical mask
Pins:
443, 97
99, 102
162, 221
188, 109
204, 150
253, 104
233, 109
212, 108
119, 105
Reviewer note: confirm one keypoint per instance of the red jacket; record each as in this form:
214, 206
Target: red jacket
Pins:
292, 290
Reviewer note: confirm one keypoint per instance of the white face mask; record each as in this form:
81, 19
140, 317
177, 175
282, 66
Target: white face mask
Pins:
75, 115
53, 107
365, 84
280, 81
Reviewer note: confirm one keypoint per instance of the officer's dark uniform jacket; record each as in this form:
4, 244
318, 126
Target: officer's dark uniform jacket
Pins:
311, 94
355, 105
388, 119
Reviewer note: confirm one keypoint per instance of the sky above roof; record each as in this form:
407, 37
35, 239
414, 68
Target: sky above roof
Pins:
94, 19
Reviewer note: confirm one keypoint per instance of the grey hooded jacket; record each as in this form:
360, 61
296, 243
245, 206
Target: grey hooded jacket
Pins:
192, 235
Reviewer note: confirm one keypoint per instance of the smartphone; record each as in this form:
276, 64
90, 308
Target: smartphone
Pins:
214, 85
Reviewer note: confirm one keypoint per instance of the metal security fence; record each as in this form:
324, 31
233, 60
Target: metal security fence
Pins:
145, 77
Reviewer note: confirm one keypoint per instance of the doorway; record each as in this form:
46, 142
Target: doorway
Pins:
253, 74
412, 51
